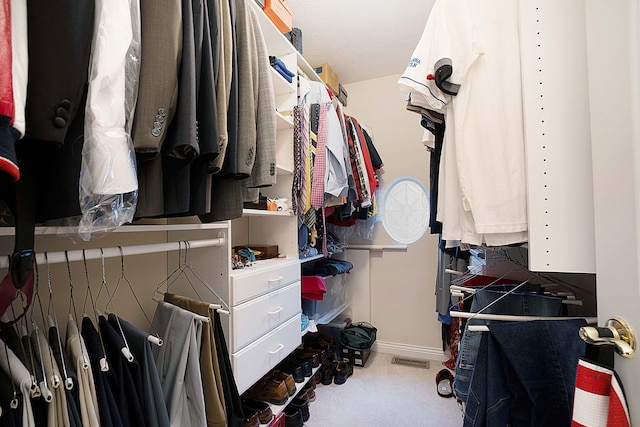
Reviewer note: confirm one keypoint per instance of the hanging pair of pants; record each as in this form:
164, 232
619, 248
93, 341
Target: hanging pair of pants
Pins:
178, 362
222, 400
496, 302
525, 374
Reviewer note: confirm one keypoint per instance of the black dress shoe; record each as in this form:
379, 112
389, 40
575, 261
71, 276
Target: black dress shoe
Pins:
343, 370
295, 369
303, 406
307, 367
293, 417
326, 373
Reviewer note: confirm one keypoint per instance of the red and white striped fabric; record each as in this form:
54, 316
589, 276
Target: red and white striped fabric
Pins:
599, 399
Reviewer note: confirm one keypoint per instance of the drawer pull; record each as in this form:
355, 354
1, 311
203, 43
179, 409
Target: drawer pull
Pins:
280, 347
276, 311
275, 279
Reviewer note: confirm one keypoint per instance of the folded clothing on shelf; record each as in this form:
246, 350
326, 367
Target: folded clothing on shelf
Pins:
328, 267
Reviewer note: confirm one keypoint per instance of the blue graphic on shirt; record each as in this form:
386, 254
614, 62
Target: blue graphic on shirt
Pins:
414, 62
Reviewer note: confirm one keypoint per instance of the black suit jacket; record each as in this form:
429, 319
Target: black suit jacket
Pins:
59, 40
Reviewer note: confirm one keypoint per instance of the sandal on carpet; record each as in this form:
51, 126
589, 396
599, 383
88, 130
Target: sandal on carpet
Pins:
444, 381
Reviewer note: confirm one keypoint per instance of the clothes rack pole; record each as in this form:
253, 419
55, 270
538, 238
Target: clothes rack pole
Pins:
112, 252
514, 318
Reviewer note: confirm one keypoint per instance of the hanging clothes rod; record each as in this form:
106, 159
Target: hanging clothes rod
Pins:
513, 318
113, 252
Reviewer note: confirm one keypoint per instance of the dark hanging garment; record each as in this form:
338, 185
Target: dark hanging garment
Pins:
435, 154
55, 104
153, 403
122, 376
156, 104
108, 409
376, 160
232, 400
181, 143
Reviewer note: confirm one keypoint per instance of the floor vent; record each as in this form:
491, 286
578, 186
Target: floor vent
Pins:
424, 364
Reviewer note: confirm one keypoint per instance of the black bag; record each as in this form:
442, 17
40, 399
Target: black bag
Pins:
358, 336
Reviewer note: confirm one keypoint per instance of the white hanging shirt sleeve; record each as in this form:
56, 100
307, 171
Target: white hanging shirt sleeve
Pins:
336, 179
447, 34
20, 61
489, 133
107, 161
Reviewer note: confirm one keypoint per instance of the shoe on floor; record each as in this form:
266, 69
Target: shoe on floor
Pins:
326, 373
444, 380
343, 370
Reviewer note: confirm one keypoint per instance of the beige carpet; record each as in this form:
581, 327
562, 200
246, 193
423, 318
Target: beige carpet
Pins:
385, 395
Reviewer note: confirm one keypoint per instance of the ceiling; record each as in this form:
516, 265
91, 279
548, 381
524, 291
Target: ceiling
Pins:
360, 39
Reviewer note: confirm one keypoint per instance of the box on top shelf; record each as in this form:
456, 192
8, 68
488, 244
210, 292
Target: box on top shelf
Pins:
328, 76
342, 95
279, 13
295, 37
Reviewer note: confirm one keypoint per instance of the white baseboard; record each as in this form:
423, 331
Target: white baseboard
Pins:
412, 351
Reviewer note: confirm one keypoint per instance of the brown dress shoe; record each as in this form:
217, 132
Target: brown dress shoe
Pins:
264, 410
271, 390
288, 380
251, 418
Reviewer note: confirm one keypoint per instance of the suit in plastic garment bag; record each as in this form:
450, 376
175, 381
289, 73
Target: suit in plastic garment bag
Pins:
108, 182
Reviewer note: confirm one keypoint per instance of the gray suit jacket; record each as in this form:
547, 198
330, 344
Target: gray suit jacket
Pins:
263, 172
247, 89
161, 43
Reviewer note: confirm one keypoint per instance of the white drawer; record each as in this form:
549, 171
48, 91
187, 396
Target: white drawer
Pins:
260, 315
264, 277
256, 359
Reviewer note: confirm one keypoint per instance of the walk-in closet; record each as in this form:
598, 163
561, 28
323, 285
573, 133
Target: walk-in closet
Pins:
286, 213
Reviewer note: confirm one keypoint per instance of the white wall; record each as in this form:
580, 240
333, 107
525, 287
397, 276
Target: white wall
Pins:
402, 300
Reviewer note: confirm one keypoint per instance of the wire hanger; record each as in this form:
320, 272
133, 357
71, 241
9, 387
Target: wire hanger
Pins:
126, 351
34, 337
185, 269
154, 339
104, 364
53, 321
72, 303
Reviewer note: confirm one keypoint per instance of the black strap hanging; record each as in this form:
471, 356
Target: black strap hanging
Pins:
20, 279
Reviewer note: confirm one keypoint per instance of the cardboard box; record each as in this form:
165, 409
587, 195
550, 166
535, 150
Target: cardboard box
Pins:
328, 76
342, 95
356, 357
279, 13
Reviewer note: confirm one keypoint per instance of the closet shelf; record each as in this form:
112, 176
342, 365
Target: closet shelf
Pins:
311, 258
281, 86
277, 42
261, 212
307, 69
72, 231
284, 122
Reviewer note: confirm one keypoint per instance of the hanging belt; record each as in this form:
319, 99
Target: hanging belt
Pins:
19, 281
